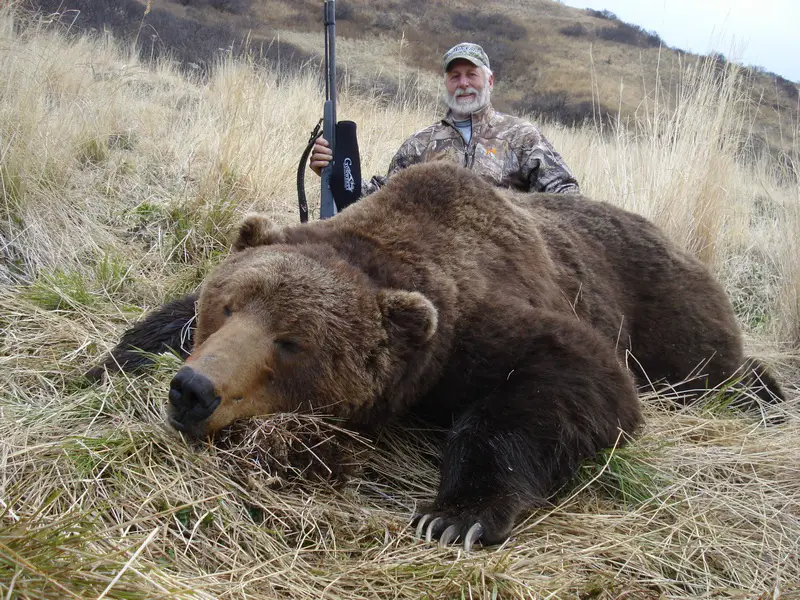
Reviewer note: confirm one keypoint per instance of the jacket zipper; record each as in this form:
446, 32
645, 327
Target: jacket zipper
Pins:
469, 148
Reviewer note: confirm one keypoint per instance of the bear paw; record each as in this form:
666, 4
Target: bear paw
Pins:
467, 528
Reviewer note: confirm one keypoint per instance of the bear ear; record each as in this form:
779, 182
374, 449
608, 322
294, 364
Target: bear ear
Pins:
257, 230
410, 314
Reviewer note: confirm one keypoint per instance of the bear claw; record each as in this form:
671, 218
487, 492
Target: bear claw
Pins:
421, 524
474, 534
449, 535
431, 528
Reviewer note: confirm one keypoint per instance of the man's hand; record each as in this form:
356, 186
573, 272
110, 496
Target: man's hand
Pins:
321, 156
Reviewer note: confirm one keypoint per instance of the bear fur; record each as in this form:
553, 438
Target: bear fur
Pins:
518, 321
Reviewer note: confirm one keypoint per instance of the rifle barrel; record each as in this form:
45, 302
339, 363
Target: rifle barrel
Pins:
327, 204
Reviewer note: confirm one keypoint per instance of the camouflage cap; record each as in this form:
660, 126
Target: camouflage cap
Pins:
471, 52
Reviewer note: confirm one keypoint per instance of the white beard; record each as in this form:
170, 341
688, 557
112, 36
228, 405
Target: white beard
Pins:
465, 109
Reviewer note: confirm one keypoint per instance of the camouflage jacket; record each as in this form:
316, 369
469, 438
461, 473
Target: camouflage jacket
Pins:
506, 150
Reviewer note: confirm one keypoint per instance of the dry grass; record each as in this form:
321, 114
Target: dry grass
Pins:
119, 186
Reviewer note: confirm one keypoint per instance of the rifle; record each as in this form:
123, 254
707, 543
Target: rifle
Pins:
341, 179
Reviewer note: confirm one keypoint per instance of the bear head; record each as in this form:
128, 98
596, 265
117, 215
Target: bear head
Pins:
285, 327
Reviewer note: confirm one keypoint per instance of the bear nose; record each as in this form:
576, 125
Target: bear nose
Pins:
192, 396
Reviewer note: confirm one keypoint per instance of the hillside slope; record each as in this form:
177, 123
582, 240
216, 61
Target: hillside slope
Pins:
550, 59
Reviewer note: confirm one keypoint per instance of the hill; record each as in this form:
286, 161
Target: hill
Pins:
551, 60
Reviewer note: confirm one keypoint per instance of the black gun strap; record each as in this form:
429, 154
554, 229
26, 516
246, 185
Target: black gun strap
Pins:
301, 172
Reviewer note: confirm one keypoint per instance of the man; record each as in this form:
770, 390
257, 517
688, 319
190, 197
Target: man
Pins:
506, 150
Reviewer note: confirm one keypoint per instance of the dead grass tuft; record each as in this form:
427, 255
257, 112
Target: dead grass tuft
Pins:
288, 446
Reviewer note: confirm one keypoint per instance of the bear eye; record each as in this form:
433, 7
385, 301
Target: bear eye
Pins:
227, 311
288, 346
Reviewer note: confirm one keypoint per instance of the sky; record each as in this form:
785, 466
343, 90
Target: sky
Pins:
755, 33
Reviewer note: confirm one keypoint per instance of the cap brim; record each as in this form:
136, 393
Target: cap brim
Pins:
467, 57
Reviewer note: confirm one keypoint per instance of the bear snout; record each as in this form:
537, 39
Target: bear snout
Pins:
192, 398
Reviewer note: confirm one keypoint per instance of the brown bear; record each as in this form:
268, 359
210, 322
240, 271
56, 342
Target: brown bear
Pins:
508, 318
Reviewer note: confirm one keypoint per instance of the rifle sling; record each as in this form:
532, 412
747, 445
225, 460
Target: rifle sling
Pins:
301, 173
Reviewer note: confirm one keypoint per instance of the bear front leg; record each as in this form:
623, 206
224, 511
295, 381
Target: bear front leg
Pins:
562, 399
168, 327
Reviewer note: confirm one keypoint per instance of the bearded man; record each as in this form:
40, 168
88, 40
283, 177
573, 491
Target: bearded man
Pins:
506, 150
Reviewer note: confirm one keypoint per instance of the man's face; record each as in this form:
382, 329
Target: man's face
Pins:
468, 87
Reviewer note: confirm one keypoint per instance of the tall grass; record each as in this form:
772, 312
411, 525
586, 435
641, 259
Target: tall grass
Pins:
686, 162
120, 183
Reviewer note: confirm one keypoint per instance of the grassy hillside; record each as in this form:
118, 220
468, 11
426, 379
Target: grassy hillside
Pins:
550, 59
120, 182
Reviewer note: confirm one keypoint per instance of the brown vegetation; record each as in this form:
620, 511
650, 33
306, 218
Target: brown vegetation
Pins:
120, 181
551, 60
